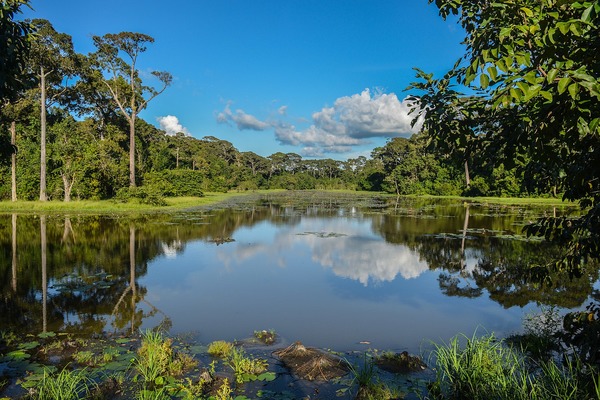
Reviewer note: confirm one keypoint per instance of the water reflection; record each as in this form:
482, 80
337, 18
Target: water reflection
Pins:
292, 265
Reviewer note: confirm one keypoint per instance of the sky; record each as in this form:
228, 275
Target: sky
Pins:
319, 78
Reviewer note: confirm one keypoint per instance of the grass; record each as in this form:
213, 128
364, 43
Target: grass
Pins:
486, 368
220, 348
65, 385
110, 206
182, 203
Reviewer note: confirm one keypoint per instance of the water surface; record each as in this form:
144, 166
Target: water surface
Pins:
333, 271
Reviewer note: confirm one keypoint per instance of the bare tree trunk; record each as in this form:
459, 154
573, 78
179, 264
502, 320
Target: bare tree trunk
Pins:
43, 196
13, 159
14, 252
467, 177
132, 150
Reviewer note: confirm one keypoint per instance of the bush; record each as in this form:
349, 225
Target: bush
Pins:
177, 182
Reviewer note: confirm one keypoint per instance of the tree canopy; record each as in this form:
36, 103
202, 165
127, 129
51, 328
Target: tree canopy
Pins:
531, 73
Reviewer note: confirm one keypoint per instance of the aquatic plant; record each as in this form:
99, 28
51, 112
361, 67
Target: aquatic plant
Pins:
267, 337
367, 380
66, 385
486, 368
220, 348
245, 367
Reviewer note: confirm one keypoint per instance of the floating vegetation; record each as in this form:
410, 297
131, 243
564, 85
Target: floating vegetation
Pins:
266, 337
312, 364
221, 240
323, 235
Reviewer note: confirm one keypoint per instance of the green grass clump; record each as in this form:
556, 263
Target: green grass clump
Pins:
486, 368
65, 385
220, 348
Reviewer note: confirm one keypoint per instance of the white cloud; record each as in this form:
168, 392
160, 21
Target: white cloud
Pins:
351, 121
242, 120
170, 124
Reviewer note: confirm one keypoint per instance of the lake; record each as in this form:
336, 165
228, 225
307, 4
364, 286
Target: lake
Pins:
340, 271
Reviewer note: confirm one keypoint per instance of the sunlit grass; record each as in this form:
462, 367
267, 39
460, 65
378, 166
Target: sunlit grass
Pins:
111, 206
210, 198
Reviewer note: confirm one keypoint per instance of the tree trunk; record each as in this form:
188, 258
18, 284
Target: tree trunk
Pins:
132, 150
68, 186
13, 159
43, 196
467, 177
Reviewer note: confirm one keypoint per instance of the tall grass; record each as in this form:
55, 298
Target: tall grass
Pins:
65, 385
486, 368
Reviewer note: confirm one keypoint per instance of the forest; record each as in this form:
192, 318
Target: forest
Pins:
72, 131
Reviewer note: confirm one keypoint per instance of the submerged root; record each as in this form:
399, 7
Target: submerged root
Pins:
312, 364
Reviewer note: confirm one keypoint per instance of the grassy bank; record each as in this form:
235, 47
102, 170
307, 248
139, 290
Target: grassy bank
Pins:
182, 203
111, 206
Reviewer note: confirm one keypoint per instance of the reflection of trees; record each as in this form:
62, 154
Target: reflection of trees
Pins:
79, 273
472, 258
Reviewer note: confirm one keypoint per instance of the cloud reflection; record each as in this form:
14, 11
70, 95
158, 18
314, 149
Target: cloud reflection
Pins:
355, 253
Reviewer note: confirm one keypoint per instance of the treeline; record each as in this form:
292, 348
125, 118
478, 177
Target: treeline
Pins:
73, 131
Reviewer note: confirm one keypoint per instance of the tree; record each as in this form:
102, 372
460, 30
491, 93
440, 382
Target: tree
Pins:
52, 61
14, 47
535, 68
124, 81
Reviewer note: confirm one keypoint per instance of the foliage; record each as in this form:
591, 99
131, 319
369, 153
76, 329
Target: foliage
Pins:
220, 348
65, 385
533, 68
14, 46
245, 367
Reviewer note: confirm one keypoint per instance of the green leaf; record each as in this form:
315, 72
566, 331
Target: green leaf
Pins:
267, 376
45, 335
527, 11
551, 75
562, 84
484, 81
587, 15
493, 72
573, 90
547, 95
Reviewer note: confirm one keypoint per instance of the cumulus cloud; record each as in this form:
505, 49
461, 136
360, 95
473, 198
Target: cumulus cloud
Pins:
170, 124
242, 120
351, 121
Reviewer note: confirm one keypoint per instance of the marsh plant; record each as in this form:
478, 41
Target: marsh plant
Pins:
487, 368
244, 366
367, 380
156, 359
65, 385
266, 337
220, 348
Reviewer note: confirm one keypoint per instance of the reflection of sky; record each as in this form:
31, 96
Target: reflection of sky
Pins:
324, 291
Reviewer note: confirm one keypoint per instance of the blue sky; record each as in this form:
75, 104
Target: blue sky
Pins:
320, 78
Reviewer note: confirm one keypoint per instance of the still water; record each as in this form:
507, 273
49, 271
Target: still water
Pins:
333, 271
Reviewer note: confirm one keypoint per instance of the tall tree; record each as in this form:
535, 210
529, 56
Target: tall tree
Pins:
535, 68
124, 82
52, 61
